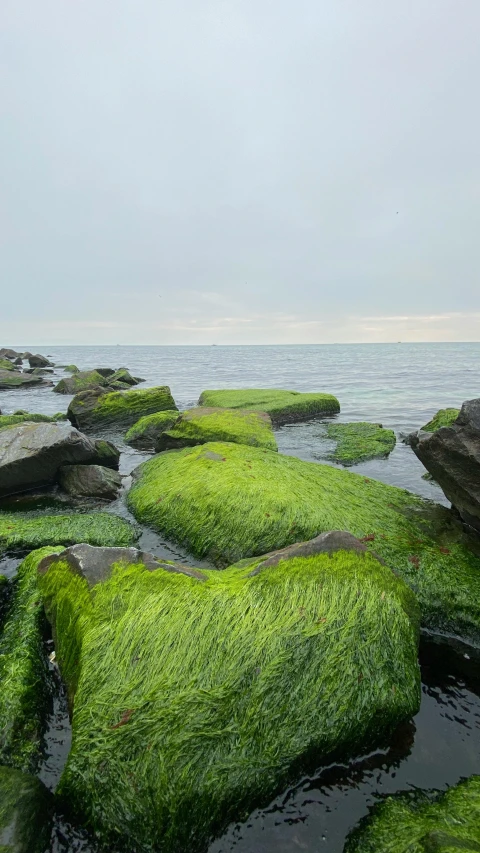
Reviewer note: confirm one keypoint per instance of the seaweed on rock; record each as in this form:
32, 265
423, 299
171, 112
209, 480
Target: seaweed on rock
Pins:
443, 418
201, 425
26, 808
145, 432
101, 408
22, 532
30, 417
357, 442
227, 502
282, 406
196, 698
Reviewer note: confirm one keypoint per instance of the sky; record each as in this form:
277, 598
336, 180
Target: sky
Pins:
239, 171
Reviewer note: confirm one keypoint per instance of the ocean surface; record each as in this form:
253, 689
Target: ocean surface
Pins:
398, 385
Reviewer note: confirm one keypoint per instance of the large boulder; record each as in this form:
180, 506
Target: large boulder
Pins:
39, 361
197, 695
228, 501
282, 406
356, 442
10, 379
198, 426
26, 809
100, 408
9, 353
81, 381
446, 823
32, 453
452, 456
144, 434
21, 533
90, 480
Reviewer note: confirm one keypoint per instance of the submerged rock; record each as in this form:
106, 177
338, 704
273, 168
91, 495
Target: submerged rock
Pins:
90, 481
282, 406
32, 453
118, 409
357, 442
26, 808
20, 533
144, 433
198, 426
447, 823
226, 502
452, 457
198, 694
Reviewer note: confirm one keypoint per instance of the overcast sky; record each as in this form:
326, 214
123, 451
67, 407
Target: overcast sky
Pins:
239, 171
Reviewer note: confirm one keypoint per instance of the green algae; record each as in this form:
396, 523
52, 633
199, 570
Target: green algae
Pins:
226, 502
145, 432
25, 813
22, 533
23, 671
199, 426
119, 408
5, 364
443, 418
80, 381
423, 823
282, 406
357, 442
72, 368
29, 417
195, 700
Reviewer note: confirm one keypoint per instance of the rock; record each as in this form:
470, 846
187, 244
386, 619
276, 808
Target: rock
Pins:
25, 533
32, 453
105, 371
5, 364
448, 823
39, 371
144, 433
107, 454
9, 353
90, 480
444, 417
39, 361
81, 381
357, 442
452, 456
225, 502
326, 543
21, 417
123, 375
14, 379
183, 716
72, 368
201, 425
282, 406
18, 361
26, 809
117, 409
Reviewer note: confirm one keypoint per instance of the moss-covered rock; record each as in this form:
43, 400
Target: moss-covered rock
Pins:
227, 501
282, 406
23, 672
81, 381
423, 823
443, 418
357, 442
144, 433
107, 454
197, 695
5, 364
22, 532
30, 417
123, 375
118, 409
10, 379
72, 368
199, 426
26, 808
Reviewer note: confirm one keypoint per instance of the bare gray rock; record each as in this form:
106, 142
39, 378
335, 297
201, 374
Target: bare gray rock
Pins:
90, 481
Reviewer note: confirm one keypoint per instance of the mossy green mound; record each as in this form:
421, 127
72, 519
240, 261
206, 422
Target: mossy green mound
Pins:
145, 432
120, 409
79, 381
25, 813
23, 671
72, 368
420, 823
282, 406
199, 426
5, 364
197, 698
357, 442
29, 417
227, 501
22, 533
443, 418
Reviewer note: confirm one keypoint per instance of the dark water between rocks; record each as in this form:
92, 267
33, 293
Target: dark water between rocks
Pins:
398, 385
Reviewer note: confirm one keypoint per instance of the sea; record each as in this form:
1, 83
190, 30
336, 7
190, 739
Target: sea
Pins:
399, 385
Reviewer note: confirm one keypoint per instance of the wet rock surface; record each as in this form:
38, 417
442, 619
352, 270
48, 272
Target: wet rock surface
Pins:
90, 480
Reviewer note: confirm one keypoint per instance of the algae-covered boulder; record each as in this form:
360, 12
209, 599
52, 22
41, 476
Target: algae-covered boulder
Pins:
29, 417
123, 375
32, 453
198, 694
357, 442
418, 822
443, 418
282, 406
227, 501
452, 456
199, 426
107, 454
90, 480
5, 364
23, 672
11, 379
72, 368
23, 532
118, 409
80, 381
26, 808
144, 433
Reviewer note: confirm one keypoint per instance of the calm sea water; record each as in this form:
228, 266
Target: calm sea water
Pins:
400, 386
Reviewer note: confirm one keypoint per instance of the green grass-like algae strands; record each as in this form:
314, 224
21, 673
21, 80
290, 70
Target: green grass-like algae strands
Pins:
13, 420
359, 441
195, 700
199, 426
443, 418
421, 823
145, 429
282, 406
226, 502
22, 532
